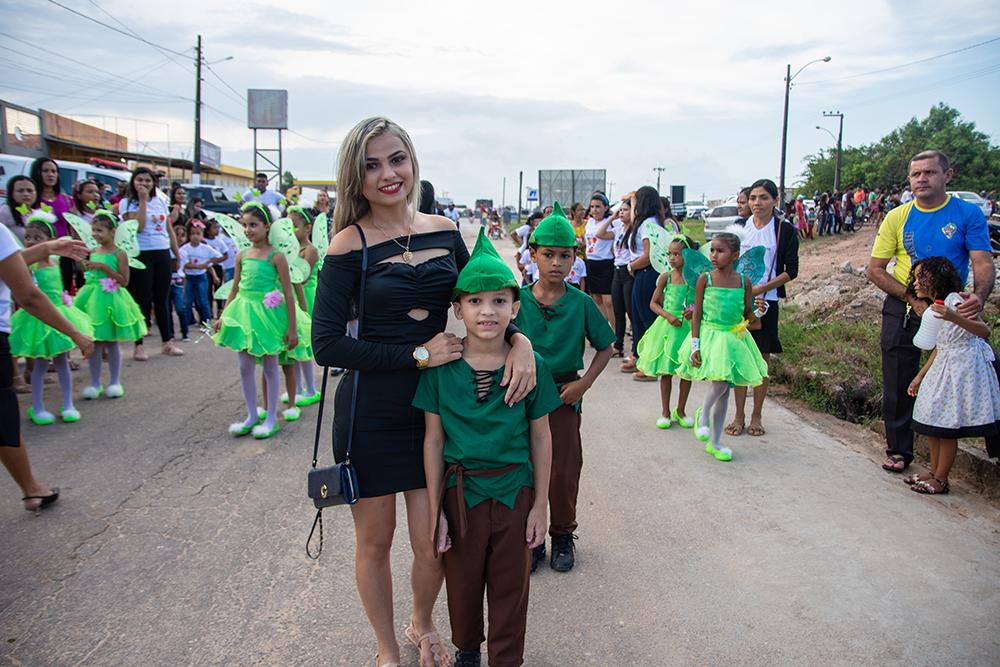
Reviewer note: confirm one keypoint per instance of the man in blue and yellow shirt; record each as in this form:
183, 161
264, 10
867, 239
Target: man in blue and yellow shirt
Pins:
933, 224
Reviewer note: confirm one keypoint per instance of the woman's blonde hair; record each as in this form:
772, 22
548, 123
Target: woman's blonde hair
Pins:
351, 203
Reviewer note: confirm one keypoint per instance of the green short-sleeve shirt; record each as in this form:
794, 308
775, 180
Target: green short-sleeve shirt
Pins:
484, 434
560, 333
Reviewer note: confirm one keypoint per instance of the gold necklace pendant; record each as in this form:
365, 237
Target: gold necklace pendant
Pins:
407, 256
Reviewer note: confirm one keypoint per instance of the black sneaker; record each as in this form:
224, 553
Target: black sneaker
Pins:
467, 658
563, 553
537, 556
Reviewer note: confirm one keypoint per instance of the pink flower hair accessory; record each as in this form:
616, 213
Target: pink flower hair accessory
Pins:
109, 285
67, 299
273, 299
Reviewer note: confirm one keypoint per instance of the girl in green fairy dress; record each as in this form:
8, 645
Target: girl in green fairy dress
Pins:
719, 348
113, 312
260, 319
32, 338
673, 303
300, 376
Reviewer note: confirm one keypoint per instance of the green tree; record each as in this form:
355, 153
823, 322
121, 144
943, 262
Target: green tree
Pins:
287, 181
885, 162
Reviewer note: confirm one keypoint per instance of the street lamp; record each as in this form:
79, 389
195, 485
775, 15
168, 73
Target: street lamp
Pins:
784, 125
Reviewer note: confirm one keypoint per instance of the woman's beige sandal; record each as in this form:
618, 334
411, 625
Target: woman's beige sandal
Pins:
442, 657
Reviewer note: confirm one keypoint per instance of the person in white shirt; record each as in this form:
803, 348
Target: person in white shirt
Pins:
261, 193
600, 240
197, 258
15, 279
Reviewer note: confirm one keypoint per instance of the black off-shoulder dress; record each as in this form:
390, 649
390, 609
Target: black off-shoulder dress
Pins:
389, 432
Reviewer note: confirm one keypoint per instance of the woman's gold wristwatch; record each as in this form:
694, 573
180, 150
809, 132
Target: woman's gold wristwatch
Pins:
421, 356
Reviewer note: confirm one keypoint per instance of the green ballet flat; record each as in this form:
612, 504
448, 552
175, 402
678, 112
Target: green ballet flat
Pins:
43, 418
309, 400
684, 423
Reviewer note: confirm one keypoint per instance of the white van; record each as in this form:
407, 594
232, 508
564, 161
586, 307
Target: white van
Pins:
69, 172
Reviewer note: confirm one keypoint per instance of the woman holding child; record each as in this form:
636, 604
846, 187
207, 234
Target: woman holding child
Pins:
412, 268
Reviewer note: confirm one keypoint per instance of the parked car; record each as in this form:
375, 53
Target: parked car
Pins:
973, 198
213, 198
720, 217
69, 172
695, 209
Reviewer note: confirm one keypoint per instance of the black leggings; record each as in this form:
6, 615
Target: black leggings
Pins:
621, 301
150, 287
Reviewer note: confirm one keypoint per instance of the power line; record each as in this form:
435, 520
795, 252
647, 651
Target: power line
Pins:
318, 141
136, 35
88, 66
895, 67
225, 83
931, 86
119, 31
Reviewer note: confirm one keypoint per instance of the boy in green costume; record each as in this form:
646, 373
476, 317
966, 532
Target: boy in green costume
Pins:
559, 320
487, 466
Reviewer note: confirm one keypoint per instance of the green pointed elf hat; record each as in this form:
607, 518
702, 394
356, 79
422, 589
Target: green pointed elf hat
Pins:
485, 270
554, 231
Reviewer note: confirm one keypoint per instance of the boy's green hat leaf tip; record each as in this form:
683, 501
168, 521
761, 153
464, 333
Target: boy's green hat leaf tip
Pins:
485, 270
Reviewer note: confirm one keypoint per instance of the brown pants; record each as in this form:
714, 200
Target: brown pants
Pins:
567, 463
493, 555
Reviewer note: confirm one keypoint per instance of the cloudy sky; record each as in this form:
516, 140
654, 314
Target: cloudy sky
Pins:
488, 88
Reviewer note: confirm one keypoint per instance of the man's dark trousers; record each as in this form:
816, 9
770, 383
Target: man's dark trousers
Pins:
900, 364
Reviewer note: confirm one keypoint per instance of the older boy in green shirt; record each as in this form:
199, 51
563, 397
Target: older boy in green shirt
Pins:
487, 466
559, 320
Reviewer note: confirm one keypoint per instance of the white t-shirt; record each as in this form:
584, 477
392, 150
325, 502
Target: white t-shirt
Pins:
8, 246
766, 238
220, 245
524, 233
267, 197
199, 255
598, 248
578, 272
230, 261
620, 249
636, 249
154, 236
906, 196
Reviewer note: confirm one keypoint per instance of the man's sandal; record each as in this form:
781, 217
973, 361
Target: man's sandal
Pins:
895, 463
924, 486
735, 428
442, 657
755, 430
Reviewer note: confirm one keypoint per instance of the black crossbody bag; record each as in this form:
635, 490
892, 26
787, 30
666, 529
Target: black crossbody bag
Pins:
336, 484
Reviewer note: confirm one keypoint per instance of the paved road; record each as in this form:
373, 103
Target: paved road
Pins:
176, 544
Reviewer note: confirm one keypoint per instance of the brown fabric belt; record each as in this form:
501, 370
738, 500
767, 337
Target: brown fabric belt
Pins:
460, 473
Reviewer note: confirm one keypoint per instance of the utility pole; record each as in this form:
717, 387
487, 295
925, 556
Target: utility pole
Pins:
840, 138
658, 170
611, 188
784, 123
503, 194
520, 191
196, 162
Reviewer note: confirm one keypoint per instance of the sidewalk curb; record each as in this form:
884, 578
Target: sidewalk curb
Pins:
971, 463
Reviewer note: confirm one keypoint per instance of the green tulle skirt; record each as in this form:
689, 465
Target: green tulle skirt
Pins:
32, 338
247, 325
115, 315
659, 349
726, 356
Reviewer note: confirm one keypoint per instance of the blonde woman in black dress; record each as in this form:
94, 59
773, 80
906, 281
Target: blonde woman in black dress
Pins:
413, 264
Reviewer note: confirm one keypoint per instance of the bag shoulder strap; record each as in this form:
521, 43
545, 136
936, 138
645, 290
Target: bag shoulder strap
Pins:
326, 370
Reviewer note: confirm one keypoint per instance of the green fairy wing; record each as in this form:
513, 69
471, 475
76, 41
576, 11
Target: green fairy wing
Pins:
659, 247
233, 229
321, 231
695, 264
222, 293
751, 264
125, 238
82, 229
282, 237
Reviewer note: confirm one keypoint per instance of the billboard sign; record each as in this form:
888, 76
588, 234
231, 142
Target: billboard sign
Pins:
267, 109
211, 155
568, 186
